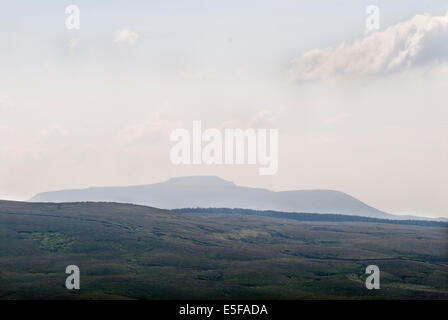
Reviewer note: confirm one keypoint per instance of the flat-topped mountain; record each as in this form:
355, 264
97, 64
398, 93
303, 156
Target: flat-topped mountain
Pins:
212, 191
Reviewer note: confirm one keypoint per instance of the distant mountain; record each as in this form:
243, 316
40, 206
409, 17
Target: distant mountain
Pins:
211, 191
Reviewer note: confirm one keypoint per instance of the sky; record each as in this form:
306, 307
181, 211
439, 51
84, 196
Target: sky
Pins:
363, 112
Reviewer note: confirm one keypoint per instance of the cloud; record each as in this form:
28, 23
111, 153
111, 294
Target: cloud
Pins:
152, 124
155, 126
416, 42
126, 36
338, 118
265, 118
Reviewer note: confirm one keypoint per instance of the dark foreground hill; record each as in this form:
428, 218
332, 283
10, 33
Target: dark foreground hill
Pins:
130, 251
211, 191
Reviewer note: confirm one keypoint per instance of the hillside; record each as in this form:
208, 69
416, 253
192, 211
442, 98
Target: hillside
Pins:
137, 252
303, 216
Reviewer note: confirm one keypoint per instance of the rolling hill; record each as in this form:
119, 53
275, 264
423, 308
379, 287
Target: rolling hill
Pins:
135, 252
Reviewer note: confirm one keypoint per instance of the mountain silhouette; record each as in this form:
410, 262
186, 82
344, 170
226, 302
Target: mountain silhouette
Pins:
212, 191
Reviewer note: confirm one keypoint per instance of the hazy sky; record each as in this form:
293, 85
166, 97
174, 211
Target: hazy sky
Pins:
363, 113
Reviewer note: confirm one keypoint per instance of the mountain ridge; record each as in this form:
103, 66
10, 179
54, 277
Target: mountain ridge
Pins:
213, 191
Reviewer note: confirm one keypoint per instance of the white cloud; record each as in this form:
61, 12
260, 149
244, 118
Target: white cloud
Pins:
133, 132
338, 118
265, 118
419, 41
126, 35
155, 126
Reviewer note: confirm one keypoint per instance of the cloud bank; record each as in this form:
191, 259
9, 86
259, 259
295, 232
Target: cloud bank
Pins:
416, 42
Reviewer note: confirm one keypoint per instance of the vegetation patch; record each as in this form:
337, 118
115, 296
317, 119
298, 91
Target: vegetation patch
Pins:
49, 241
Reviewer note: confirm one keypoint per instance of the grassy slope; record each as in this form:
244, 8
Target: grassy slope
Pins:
127, 251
